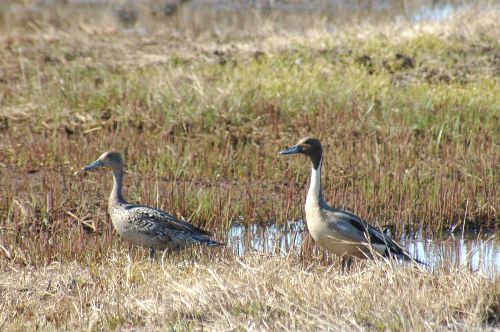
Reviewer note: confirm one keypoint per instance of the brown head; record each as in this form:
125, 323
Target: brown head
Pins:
309, 146
109, 159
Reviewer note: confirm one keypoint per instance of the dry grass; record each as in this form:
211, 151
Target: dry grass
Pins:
199, 111
255, 292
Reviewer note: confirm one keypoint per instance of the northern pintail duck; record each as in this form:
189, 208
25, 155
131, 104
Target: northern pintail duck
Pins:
338, 231
144, 225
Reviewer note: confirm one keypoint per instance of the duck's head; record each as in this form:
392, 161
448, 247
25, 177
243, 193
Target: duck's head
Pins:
109, 159
309, 146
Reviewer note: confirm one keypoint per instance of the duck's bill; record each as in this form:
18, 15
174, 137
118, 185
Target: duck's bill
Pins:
94, 165
292, 150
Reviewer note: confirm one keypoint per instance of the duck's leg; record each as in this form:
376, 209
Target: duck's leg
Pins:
151, 253
345, 264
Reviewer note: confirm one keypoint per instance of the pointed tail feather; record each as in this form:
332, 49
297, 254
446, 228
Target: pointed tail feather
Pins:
409, 258
403, 255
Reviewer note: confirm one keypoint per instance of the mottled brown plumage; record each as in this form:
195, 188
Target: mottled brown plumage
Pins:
143, 225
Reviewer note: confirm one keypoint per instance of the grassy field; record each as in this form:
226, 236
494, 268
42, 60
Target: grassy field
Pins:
409, 115
222, 292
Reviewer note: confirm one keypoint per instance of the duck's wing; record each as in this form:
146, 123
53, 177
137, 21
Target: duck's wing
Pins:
355, 229
155, 222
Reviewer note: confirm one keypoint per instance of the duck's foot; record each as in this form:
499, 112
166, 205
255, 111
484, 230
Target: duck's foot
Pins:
345, 264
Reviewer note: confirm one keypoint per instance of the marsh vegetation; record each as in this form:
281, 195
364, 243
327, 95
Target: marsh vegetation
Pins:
199, 102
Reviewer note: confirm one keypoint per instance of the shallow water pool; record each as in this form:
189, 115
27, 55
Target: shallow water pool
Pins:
480, 253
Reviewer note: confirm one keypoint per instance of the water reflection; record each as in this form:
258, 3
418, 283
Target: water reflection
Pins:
479, 253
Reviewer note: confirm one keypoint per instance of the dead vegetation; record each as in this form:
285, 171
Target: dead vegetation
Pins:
255, 292
408, 112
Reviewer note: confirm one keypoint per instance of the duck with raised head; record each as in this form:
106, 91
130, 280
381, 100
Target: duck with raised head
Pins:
143, 225
338, 231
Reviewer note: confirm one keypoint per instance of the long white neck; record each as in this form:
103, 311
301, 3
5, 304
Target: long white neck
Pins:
116, 196
314, 195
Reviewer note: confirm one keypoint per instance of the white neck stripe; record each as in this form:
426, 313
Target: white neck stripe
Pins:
314, 193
